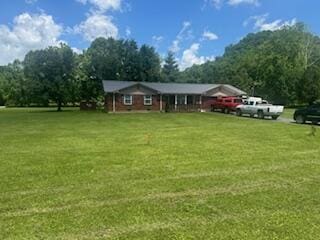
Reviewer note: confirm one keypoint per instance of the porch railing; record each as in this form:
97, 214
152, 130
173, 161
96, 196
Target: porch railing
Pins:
183, 108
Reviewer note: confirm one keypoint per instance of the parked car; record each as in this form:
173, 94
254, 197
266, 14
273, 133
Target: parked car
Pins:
226, 104
310, 113
257, 106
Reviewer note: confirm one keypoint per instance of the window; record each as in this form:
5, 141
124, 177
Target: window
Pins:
181, 99
127, 100
147, 100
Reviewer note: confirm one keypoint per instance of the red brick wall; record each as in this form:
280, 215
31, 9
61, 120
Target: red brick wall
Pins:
206, 103
137, 104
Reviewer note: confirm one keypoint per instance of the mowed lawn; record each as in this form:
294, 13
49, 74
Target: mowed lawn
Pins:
77, 175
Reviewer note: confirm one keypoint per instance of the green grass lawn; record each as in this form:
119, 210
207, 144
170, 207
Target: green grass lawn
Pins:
77, 175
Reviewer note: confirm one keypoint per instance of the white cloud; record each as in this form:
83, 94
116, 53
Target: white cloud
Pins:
31, 1
128, 32
216, 3
219, 3
103, 5
261, 24
77, 50
157, 38
98, 24
29, 32
207, 35
191, 57
95, 26
156, 41
238, 2
184, 33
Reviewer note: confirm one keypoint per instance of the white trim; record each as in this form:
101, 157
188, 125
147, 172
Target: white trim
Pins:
186, 100
175, 101
130, 102
149, 99
114, 102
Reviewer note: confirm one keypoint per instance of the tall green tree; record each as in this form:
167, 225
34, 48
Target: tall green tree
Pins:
104, 59
129, 60
149, 64
88, 86
50, 73
13, 88
170, 70
310, 85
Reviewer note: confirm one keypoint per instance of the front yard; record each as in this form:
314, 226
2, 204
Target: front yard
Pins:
76, 175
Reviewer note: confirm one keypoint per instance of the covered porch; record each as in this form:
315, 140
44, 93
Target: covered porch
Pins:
181, 103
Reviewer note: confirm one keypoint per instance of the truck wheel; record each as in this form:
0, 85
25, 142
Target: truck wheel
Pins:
260, 114
275, 117
300, 119
238, 113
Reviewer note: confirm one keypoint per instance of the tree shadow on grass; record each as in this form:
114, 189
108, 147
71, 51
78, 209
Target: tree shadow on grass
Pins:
53, 110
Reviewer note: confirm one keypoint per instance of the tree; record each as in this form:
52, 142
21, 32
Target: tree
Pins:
149, 64
104, 61
130, 65
277, 65
310, 86
13, 89
170, 68
89, 88
50, 73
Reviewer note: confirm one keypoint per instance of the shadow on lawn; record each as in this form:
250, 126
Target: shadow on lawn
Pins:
53, 110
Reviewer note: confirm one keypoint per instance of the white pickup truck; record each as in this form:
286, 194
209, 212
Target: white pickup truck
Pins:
256, 106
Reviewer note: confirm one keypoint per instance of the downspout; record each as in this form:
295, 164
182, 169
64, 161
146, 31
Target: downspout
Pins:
114, 103
160, 102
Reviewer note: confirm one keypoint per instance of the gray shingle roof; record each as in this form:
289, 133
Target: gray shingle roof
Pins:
167, 88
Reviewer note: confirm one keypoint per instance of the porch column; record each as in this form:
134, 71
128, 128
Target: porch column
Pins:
175, 102
114, 102
160, 102
185, 99
200, 102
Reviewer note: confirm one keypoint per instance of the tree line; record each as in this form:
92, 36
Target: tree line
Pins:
58, 75
282, 66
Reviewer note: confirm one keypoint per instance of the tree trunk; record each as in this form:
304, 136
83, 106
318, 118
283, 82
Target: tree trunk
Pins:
59, 106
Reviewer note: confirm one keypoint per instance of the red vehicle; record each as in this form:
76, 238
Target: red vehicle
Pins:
226, 104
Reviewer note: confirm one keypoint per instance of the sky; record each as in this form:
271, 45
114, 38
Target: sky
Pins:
195, 30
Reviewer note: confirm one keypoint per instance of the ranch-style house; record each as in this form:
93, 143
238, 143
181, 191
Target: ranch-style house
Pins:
122, 96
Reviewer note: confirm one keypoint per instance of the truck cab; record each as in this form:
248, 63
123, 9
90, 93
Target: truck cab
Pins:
226, 104
310, 113
257, 106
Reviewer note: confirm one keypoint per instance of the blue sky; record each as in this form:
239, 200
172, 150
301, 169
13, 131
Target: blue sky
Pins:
196, 30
